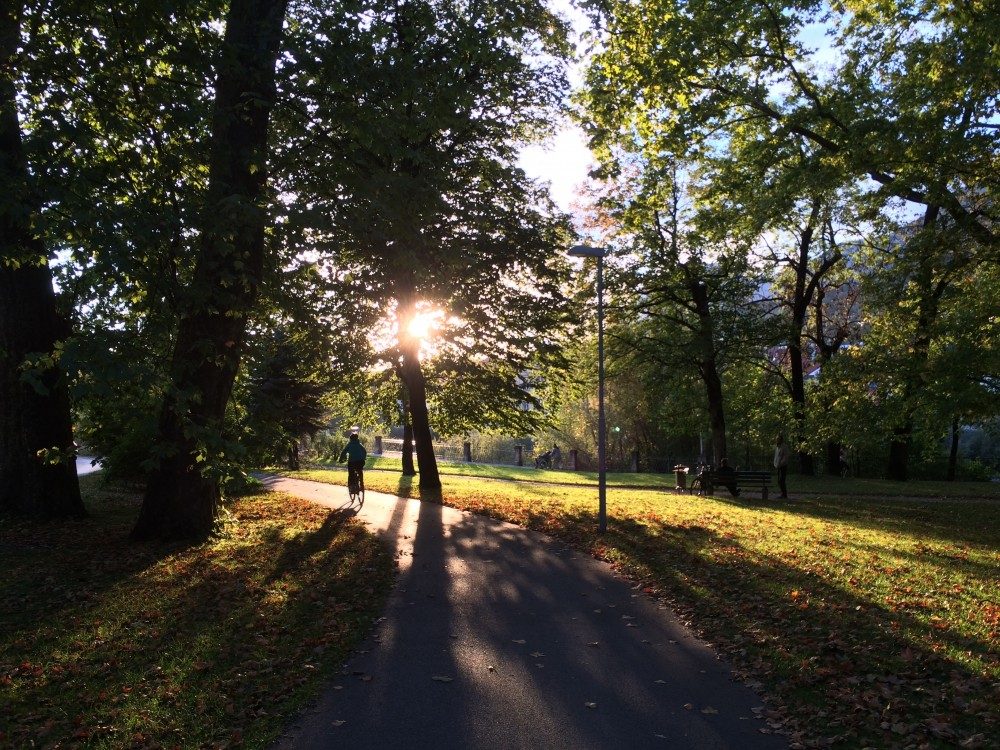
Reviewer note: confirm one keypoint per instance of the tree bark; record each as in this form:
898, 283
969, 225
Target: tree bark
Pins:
953, 453
409, 470
928, 308
181, 498
833, 458
37, 456
413, 377
709, 370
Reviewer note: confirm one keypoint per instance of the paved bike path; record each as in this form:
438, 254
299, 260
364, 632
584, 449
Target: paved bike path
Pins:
499, 637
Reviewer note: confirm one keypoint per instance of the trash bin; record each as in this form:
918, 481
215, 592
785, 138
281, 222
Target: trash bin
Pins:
680, 474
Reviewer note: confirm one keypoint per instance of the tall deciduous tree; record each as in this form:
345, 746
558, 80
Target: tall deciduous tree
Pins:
904, 111
37, 456
407, 136
181, 499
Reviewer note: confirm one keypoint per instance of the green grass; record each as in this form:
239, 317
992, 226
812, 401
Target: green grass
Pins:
109, 644
868, 622
521, 473
796, 483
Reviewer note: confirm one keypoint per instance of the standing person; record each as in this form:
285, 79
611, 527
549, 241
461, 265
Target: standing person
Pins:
355, 454
556, 457
781, 454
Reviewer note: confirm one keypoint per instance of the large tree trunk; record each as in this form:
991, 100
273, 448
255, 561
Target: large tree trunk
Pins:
833, 458
37, 461
799, 401
413, 377
899, 453
708, 368
928, 306
181, 500
409, 470
953, 453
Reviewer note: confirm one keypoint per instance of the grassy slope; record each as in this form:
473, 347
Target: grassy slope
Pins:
113, 644
869, 622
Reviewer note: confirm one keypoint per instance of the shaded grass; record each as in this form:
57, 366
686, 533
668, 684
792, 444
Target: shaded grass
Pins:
868, 622
109, 644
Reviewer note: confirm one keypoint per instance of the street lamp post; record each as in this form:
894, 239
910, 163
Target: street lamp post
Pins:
586, 251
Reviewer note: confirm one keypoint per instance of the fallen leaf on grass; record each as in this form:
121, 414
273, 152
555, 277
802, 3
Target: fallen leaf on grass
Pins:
520, 641
338, 723
661, 682
688, 706
590, 705
975, 741
709, 710
439, 678
536, 654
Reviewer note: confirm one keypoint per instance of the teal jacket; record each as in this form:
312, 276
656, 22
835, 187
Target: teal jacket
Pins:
354, 450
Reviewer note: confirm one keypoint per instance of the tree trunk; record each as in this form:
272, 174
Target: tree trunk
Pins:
181, 498
953, 453
708, 368
37, 456
799, 400
413, 377
833, 458
928, 307
899, 453
293, 455
409, 470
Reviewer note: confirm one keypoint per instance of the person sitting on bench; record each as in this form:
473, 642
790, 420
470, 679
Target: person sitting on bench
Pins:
726, 475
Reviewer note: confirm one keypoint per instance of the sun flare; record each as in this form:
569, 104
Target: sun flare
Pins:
422, 324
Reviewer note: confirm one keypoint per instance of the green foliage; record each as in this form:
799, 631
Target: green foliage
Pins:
285, 398
405, 139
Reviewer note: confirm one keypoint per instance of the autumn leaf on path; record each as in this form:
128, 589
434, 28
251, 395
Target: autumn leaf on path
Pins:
439, 678
594, 644
709, 710
590, 705
338, 723
536, 654
520, 641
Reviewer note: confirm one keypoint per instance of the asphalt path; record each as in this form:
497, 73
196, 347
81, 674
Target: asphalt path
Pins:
499, 637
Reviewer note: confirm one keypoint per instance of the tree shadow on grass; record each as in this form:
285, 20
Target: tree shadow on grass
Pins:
960, 523
209, 644
876, 673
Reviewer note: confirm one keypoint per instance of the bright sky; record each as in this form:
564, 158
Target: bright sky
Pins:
564, 159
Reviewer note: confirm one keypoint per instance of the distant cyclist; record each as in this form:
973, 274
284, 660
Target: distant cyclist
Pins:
355, 454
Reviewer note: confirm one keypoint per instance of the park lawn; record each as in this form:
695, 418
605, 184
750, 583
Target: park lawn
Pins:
866, 622
519, 473
106, 643
810, 485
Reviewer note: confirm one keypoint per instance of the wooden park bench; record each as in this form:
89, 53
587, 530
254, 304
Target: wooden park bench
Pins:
744, 480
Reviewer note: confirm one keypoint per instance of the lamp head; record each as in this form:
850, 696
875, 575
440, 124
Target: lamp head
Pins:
588, 251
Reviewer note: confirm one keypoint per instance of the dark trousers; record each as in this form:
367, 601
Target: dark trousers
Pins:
782, 475
355, 470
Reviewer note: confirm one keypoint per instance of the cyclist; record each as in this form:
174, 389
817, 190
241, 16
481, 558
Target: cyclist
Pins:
355, 454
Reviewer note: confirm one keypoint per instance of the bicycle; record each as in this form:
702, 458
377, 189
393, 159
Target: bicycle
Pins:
356, 483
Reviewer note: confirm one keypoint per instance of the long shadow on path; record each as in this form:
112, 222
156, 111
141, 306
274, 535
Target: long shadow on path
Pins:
496, 637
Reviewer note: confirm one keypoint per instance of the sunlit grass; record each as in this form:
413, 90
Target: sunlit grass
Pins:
796, 483
874, 621
110, 644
